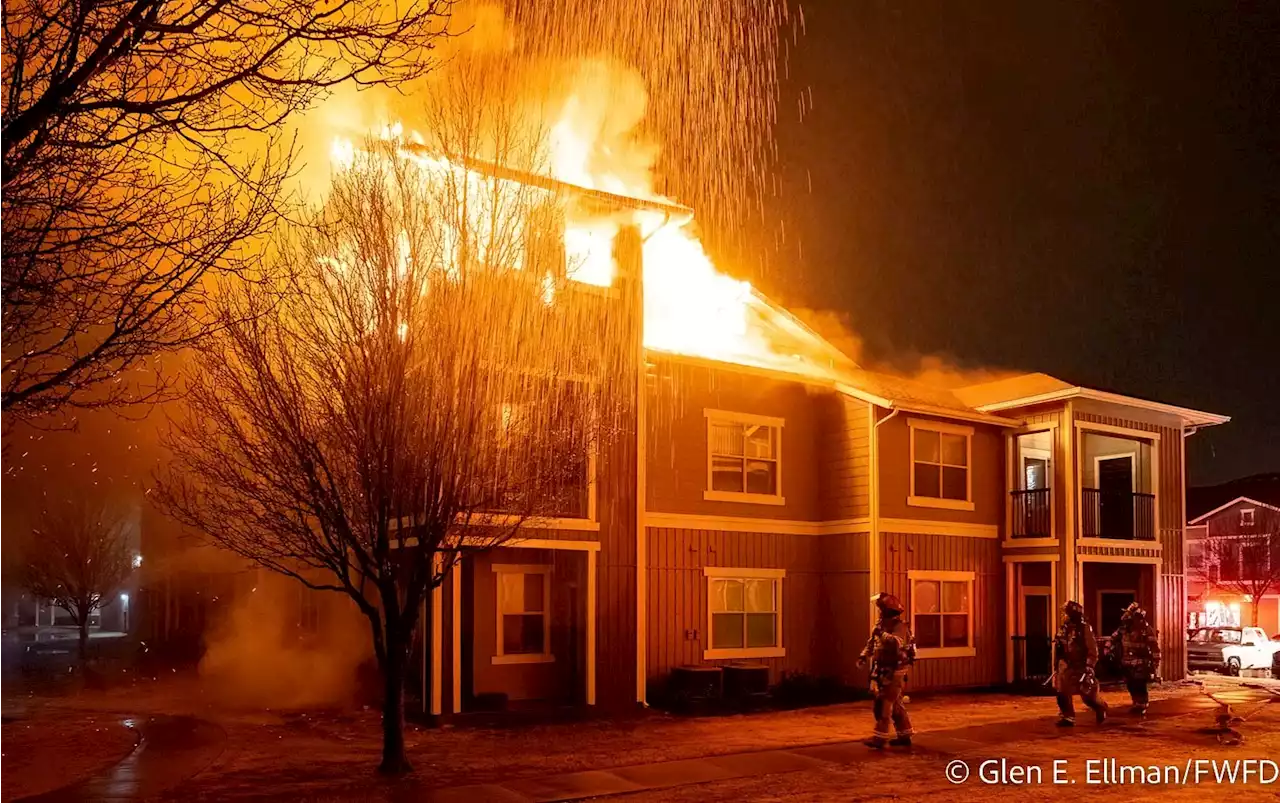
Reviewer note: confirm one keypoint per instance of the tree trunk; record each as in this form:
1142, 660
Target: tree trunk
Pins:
84, 642
394, 760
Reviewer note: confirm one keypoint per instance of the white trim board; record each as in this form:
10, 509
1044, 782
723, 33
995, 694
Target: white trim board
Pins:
1151, 560
1189, 417
926, 527
743, 524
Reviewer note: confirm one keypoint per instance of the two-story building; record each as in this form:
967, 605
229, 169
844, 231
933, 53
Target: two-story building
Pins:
756, 510
1233, 553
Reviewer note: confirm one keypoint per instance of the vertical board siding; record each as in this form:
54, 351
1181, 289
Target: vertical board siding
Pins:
904, 552
1172, 614
677, 626
844, 481
844, 609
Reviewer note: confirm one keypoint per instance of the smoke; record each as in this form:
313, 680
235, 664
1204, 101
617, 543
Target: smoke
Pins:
272, 649
935, 370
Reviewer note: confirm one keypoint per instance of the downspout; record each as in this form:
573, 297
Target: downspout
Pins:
873, 546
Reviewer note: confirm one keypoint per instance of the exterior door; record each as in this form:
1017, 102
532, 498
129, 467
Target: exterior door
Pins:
1037, 615
1115, 491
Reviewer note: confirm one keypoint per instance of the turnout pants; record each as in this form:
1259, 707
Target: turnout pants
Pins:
889, 708
1067, 707
1137, 690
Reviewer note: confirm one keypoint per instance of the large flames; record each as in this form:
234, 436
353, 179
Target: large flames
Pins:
691, 308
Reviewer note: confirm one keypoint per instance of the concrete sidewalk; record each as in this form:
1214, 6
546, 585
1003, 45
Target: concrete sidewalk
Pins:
956, 742
170, 750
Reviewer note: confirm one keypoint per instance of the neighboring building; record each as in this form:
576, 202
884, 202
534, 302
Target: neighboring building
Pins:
776, 504
1244, 511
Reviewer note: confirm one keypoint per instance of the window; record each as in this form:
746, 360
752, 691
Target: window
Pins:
1247, 517
524, 609
942, 613
744, 458
744, 613
1255, 560
940, 455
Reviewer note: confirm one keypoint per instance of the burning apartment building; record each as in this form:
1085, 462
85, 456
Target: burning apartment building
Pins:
762, 485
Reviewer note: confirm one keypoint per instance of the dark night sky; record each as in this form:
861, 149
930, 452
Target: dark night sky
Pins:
1086, 189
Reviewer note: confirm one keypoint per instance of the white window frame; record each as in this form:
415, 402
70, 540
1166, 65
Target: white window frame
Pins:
545, 657
914, 424
913, 576
719, 573
728, 417
1248, 516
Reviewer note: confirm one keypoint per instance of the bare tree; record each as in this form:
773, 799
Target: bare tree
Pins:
1244, 560
426, 388
78, 556
145, 156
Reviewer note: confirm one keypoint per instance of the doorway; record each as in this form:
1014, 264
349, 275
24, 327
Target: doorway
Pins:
1115, 476
1111, 605
1037, 624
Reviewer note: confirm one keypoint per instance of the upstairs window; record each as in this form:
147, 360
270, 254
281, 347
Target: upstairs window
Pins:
1247, 517
744, 458
940, 461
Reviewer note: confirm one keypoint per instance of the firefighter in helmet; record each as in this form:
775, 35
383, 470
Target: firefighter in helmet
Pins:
1137, 647
1075, 652
891, 651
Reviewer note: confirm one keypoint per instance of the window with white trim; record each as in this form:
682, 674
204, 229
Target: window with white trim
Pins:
524, 613
1247, 516
941, 458
744, 457
744, 613
942, 613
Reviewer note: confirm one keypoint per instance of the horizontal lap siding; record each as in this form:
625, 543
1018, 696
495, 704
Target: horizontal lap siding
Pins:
679, 396
1172, 615
902, 553
677, 587
845, 455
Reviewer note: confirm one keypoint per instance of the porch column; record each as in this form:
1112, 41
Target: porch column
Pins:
457, 636
437, 640
591, 626
1011, 620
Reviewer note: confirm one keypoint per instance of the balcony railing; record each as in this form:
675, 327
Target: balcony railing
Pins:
1121, 515
1031, 517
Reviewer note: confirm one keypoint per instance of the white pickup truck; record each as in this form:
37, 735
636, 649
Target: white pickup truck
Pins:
1230, 649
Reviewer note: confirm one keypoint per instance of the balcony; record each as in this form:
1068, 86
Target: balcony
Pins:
1118, 515
1030, 516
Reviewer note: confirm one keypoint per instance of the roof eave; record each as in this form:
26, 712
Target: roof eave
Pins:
1220, 508
1189, 418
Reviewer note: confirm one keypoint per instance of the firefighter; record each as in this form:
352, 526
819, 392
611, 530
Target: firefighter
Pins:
891, 651
1136, 645
1075, 652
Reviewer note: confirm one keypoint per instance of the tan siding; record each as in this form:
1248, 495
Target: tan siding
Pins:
679, 393
1172, 614
678, 594
844, 609
845, 454
903, 552
988, 480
